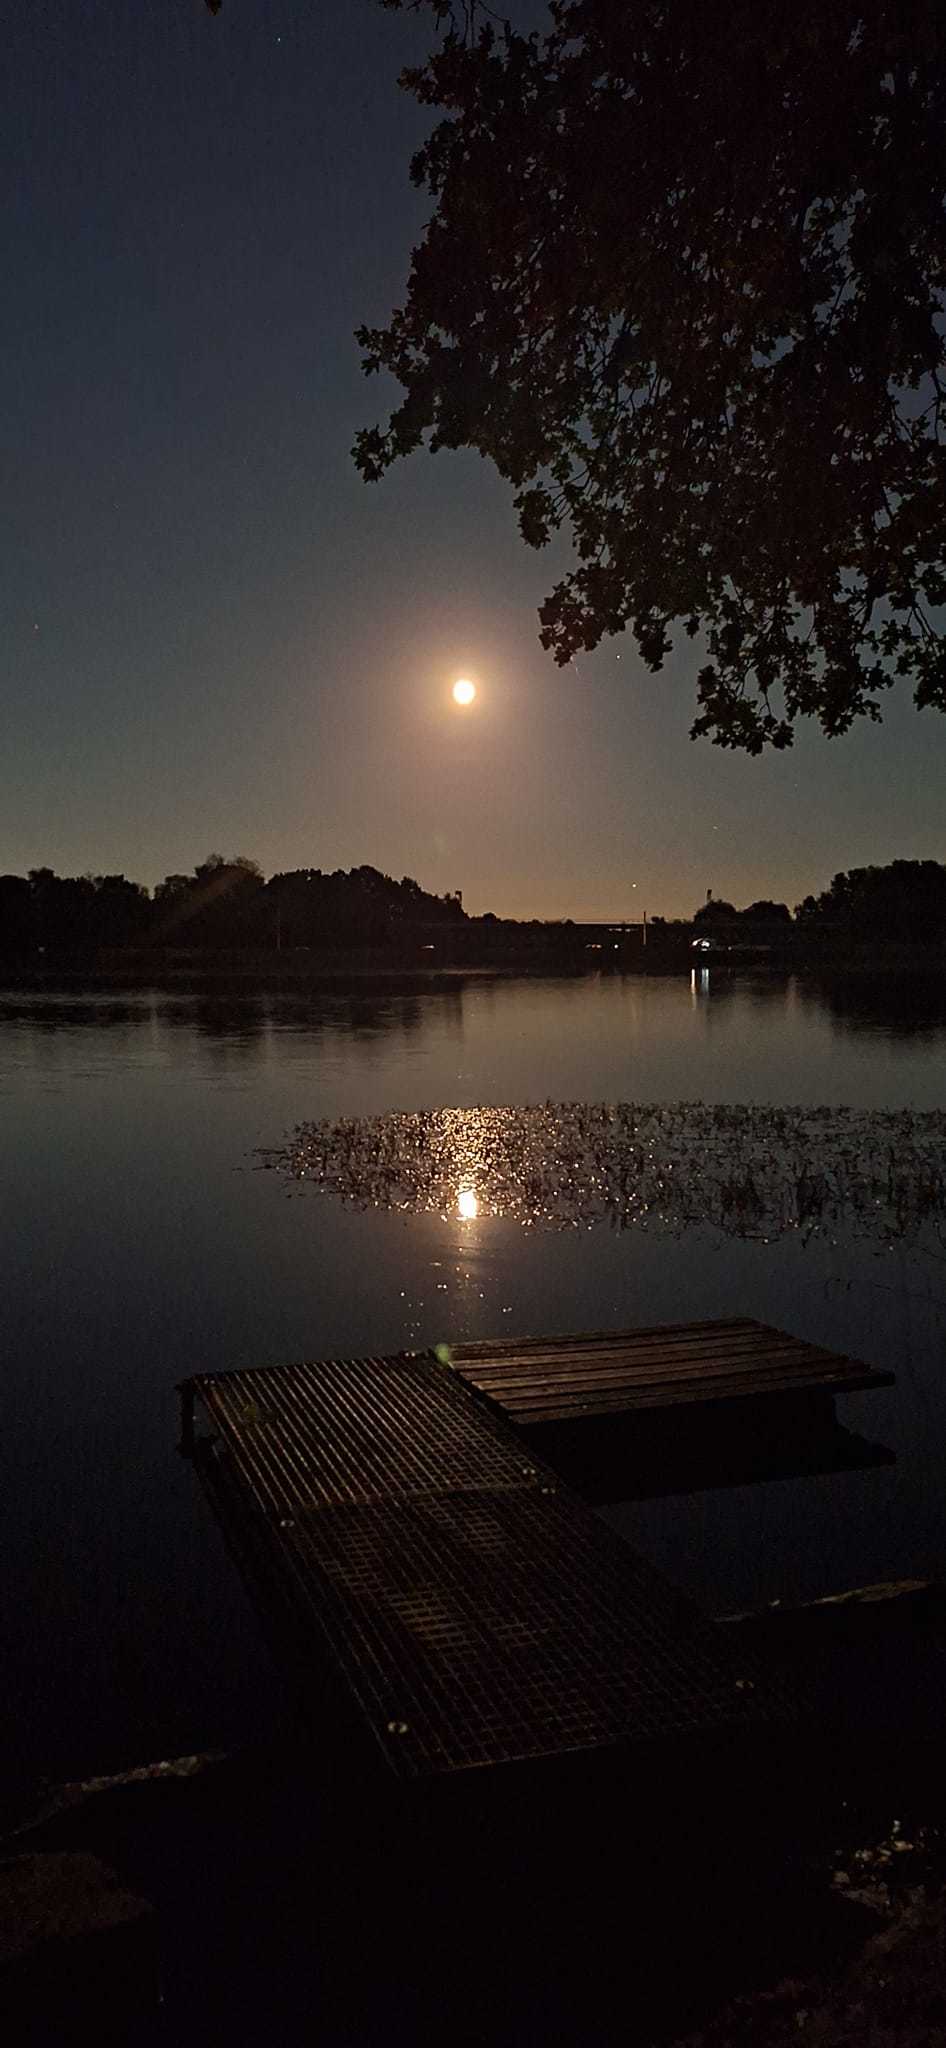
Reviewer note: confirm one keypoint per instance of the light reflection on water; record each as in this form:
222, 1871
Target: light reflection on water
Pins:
748, 1171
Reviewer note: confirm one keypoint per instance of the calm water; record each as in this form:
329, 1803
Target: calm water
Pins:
141, 1242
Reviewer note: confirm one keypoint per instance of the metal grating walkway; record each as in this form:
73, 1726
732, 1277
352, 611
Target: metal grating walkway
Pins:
358, 1430
562, 1379
478, 1611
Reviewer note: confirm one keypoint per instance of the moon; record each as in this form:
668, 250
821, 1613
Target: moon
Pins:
464, 691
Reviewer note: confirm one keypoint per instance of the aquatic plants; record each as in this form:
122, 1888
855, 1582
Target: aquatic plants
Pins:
749, 1170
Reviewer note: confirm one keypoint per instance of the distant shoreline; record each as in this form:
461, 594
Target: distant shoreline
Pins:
300, 969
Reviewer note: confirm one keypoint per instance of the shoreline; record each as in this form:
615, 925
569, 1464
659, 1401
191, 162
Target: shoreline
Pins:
279, 971
810, 1881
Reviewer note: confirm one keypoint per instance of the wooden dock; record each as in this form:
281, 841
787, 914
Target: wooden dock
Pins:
538, 1380
634, 1414
477, 1610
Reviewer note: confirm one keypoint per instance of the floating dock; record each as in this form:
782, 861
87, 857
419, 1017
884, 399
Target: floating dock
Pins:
537, 1380
477, 1611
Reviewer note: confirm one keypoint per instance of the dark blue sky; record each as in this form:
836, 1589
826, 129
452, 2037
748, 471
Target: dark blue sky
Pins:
216, 637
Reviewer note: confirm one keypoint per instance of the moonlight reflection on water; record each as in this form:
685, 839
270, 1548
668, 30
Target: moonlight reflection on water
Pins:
751, 1171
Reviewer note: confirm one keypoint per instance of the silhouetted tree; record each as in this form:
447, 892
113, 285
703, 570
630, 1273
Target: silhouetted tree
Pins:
363, 908
715, 912
171, 887
683, 285
224, 903
903, 901
118, 914
216, 863
61, 908
767, 912
16, 921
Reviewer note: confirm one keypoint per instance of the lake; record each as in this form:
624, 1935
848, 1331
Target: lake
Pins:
142, 1241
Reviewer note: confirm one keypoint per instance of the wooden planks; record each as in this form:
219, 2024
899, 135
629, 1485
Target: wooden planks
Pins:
538, 1380
477, 1611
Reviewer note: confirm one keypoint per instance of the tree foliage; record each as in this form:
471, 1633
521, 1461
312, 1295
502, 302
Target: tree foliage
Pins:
905, 900
225, 903
716, 910
683, 284
764, 911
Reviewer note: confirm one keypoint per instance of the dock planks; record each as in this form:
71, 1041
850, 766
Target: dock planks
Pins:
537, 1380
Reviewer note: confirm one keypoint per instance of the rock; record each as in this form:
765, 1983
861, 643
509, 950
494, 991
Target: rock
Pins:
76, 1948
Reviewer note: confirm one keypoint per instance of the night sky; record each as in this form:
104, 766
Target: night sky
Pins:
216, 637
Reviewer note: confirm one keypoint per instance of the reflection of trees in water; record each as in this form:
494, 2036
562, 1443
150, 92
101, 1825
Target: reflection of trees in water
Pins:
353, 1008
719, 986
72, 1013
718, 993
766, 991
365, 1011
239, 1020
901, 1005
356, 1012
362, 1017
751, 1171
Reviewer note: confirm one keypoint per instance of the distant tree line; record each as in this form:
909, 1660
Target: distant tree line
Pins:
904, 902
224, 904
717, 911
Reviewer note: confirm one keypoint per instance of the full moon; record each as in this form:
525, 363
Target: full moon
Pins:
464, 691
